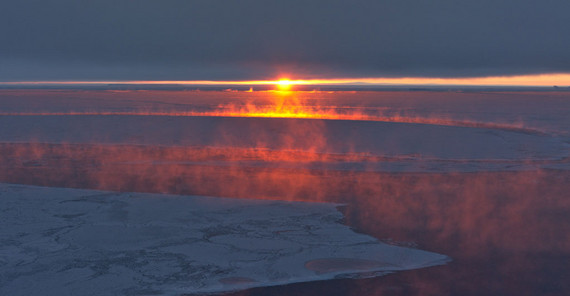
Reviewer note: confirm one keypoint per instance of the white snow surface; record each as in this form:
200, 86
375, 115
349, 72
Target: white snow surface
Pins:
56, 241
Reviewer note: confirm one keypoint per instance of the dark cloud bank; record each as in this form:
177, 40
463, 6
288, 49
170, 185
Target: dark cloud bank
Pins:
210, 39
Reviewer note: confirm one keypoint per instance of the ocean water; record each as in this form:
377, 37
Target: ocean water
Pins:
482, 177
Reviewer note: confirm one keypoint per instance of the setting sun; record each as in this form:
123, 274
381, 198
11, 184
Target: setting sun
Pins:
284, 84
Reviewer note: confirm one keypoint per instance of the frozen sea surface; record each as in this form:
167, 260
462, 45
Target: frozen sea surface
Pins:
58, 241
491, 195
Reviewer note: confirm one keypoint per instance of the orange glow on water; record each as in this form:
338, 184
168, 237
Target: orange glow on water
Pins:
289, 104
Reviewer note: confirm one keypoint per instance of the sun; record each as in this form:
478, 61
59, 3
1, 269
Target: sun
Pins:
284, 84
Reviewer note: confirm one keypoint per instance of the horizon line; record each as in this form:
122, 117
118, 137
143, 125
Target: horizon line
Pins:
531, 80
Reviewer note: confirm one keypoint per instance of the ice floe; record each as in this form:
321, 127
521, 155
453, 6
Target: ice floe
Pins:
56, 241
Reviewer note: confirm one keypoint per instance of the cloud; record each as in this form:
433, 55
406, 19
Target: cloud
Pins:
252, 39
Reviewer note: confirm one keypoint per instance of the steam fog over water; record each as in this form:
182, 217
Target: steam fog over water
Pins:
480, 177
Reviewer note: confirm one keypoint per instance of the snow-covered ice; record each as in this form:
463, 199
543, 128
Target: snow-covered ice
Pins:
57, 241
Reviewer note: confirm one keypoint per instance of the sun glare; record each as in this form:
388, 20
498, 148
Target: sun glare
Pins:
284, 84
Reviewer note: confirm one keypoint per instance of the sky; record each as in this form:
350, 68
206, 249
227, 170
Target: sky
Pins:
251, 40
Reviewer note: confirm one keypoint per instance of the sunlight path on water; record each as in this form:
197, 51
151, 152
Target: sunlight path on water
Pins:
286, 103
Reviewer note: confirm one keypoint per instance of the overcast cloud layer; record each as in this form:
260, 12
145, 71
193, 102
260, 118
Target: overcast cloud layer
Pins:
211, 39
